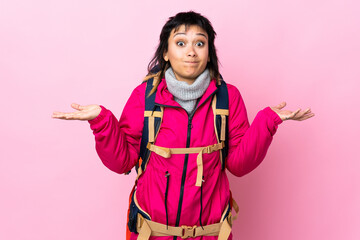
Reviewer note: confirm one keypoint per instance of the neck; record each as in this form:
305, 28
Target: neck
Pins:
186, 93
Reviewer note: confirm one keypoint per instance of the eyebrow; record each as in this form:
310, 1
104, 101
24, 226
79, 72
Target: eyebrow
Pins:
182, 33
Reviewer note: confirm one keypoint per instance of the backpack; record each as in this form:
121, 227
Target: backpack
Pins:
152, 122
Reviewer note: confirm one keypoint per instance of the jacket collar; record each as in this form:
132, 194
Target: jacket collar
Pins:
164, 97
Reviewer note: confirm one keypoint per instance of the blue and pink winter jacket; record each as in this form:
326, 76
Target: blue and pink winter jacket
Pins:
118, 146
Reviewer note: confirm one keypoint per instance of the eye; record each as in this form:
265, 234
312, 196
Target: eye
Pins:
180, 43
200, 44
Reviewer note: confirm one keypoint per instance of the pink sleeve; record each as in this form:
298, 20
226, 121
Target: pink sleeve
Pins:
118, 142
248, 144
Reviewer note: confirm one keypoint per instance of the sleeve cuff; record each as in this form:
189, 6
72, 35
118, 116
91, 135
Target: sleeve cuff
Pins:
273, 115
100, 117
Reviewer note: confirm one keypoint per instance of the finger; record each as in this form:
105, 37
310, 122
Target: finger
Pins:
60, 113
293, 115
81, 115
309, 115
308, 110
76, 116
61, 116
67, 116
305, 117
305, 113
72, 117
57, 114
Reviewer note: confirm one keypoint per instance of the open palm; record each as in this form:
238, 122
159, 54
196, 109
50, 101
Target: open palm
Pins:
293, 115
83, 113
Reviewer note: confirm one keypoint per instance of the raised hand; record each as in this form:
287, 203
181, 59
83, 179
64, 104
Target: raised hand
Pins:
287, 114
84, 113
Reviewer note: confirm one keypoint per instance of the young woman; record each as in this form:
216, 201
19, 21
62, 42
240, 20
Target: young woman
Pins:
184, 191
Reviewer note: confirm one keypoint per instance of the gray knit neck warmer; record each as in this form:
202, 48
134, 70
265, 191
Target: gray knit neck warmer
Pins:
184, 94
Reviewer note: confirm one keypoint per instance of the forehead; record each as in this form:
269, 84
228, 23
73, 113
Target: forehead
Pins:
186, 28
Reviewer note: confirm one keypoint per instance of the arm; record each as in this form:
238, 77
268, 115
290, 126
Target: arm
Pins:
118, 142
248, 144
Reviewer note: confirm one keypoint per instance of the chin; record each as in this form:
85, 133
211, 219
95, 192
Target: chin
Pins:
193, 73
192, 76
189, 73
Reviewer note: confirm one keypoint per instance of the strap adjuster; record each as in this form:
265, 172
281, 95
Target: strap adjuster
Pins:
208, 149
188, 231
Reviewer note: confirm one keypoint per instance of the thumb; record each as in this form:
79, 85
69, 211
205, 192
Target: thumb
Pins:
77, 106
281, 105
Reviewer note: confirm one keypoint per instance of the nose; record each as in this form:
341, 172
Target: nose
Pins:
191, 51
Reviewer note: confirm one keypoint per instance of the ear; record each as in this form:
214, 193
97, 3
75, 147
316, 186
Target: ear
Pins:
165, 57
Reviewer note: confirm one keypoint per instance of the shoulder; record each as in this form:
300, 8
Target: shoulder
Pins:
237, 109
138, 94
234, 94
140, 89
136, 101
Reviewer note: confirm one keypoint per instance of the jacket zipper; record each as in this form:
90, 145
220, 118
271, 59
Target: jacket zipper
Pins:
186, 158
184, 172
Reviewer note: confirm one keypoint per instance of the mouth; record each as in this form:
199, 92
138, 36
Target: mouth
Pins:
191, 62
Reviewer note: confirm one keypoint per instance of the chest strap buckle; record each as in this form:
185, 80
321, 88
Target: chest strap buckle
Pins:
188, 232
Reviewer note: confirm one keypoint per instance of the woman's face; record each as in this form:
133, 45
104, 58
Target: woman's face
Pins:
188, 52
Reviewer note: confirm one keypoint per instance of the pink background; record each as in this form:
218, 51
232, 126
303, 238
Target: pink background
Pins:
52, 53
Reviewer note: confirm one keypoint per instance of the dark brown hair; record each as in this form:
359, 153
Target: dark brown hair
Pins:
158, 65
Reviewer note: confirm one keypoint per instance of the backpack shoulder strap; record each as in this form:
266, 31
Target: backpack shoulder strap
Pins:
152, 120
220, 107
